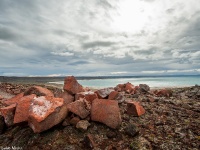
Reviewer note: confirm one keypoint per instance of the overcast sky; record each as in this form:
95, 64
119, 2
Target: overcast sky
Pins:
99, 37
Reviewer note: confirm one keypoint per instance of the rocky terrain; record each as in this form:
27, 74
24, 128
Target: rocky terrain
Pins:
118, 118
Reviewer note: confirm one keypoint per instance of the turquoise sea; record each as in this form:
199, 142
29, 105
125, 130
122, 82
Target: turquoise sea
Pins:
155, 82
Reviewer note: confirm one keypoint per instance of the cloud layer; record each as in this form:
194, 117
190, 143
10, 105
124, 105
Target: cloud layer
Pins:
99, 37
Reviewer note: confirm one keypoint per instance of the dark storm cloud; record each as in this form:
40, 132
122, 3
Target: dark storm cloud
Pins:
97, 44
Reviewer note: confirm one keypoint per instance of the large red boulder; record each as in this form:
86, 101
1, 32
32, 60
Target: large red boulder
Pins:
134, 108
8, 114
114, 95
22, 108
107, 112
89, 96
46, 112
104, 93
80, 107
129, 88
14, 99
72, 86
39, 91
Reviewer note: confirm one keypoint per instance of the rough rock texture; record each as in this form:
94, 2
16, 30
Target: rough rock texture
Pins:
129, 88
8, 114
68, 98
72, 86
80, 108
22, 108
114, 95
74, 120
45, 112
39, 91
14, 99
104, 93
2, 124
120, 87
107, 112
89, 96
144, 88
82, 125
163, 93
135, 109
1, 97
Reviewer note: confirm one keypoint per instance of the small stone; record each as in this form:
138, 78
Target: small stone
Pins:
1, 97
83, 125
135, 109
2, 124
88, 141
74, 120
131, 130
111, 134
144, 88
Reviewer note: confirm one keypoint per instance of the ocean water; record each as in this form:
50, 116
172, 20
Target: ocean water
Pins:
155, 82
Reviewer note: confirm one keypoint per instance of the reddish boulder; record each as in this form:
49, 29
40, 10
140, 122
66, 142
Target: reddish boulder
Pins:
164, 93
46, 112
107, 112
104, 93
68, 98
22, 108
89, 96
14, 99
120, 87
129, 88
135, 109
39, 91
72, 86
80, 108
114, 95
8, 114
1, 97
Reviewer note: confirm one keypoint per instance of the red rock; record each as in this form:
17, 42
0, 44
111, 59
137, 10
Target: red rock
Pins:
22, 108
1, 97
80, 108
39, 91
74, 120
107, 112
46, 112
120, 87
72, 86
68, 98
164, 92
104, 93
114, 95
14, 99
135, 109
129, 88
8, 114
89, 96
